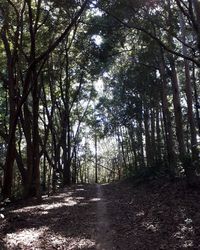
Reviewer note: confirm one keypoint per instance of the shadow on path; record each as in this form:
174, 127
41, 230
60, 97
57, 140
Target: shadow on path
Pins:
67, 220
117, 216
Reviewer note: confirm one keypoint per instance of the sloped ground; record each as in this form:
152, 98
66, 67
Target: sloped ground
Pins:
64, 221
156, 215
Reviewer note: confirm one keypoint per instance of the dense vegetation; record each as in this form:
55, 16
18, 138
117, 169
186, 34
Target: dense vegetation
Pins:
96, 91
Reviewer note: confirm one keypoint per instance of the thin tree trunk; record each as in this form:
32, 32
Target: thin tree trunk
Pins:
153, 140
96, 158
167, 122
147, 138
158, 138
190, 170
177, 111
196, 96
11, 148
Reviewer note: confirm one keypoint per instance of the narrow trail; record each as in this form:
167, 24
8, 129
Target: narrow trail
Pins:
105, 217
74, 219
104, 235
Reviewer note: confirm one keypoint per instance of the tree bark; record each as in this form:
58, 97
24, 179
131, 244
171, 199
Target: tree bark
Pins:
11, 148
167, 121
190, 170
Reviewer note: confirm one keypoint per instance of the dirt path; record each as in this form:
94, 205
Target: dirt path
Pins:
157, 216
104, 236
74, 219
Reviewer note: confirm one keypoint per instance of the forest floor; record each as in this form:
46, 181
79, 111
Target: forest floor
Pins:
155, 215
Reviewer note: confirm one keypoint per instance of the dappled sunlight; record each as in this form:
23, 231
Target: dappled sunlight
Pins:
100, 124
63, 195
42, 212
66, 199
24, 209
34, 239
95, 199
103, 214
80, 189
24, 238
154, 227
188, 243
80, 198
59, 242
77, 243
69, 201
185, 231
63, 221
139, 214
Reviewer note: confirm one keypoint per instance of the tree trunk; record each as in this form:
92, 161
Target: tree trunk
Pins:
167, 122
177, 110
147, 138
36, 155
11, 148
153, 140
65, 147
96, 157
140, 136
158, 139
190, 170
196, 96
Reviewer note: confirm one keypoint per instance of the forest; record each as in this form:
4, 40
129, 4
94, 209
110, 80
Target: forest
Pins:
99, 107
